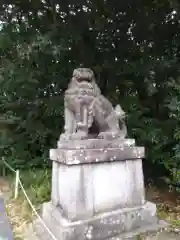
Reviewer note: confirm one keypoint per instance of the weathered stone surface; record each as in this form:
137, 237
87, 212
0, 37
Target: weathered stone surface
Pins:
85, 106
96, 143
115, 225
150, 232
86, 189
5, 228
158, 231
82, 156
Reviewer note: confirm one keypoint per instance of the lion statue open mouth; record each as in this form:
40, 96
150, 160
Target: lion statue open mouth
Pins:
86, 107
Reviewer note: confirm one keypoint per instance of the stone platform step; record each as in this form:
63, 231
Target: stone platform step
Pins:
153, 232
5, 228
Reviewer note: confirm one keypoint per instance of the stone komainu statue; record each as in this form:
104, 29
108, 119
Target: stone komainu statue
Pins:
86, 107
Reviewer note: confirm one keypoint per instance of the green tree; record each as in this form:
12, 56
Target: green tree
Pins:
132, 46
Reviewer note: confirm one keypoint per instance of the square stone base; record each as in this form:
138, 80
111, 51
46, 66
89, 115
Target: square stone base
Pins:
120, 224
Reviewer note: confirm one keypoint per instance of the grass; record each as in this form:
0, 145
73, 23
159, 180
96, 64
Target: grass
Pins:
168, 205
38, 184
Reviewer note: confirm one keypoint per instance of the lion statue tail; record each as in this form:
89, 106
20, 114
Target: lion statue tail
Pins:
121, 116
119, 112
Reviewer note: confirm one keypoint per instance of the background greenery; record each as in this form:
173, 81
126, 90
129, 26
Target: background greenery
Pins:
133, 47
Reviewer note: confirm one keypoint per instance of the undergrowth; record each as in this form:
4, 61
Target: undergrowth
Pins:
37, 186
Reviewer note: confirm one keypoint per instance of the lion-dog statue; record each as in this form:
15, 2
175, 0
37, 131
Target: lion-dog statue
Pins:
85, 106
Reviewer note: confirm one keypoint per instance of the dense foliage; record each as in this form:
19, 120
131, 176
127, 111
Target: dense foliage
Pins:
133, 47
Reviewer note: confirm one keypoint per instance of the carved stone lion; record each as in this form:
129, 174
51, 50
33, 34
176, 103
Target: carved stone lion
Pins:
86, 108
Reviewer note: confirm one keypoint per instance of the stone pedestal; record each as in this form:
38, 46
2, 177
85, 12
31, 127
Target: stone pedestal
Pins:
98, 193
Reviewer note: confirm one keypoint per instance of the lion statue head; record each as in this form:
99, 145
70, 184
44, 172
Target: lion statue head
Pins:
83, 75
83, 78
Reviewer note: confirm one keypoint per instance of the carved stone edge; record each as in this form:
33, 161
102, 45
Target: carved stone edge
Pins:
85, 156
95, 143
120, 224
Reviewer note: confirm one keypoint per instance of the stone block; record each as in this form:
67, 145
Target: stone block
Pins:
114, 225
5, 227
96, 143
83, 190
96, 155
